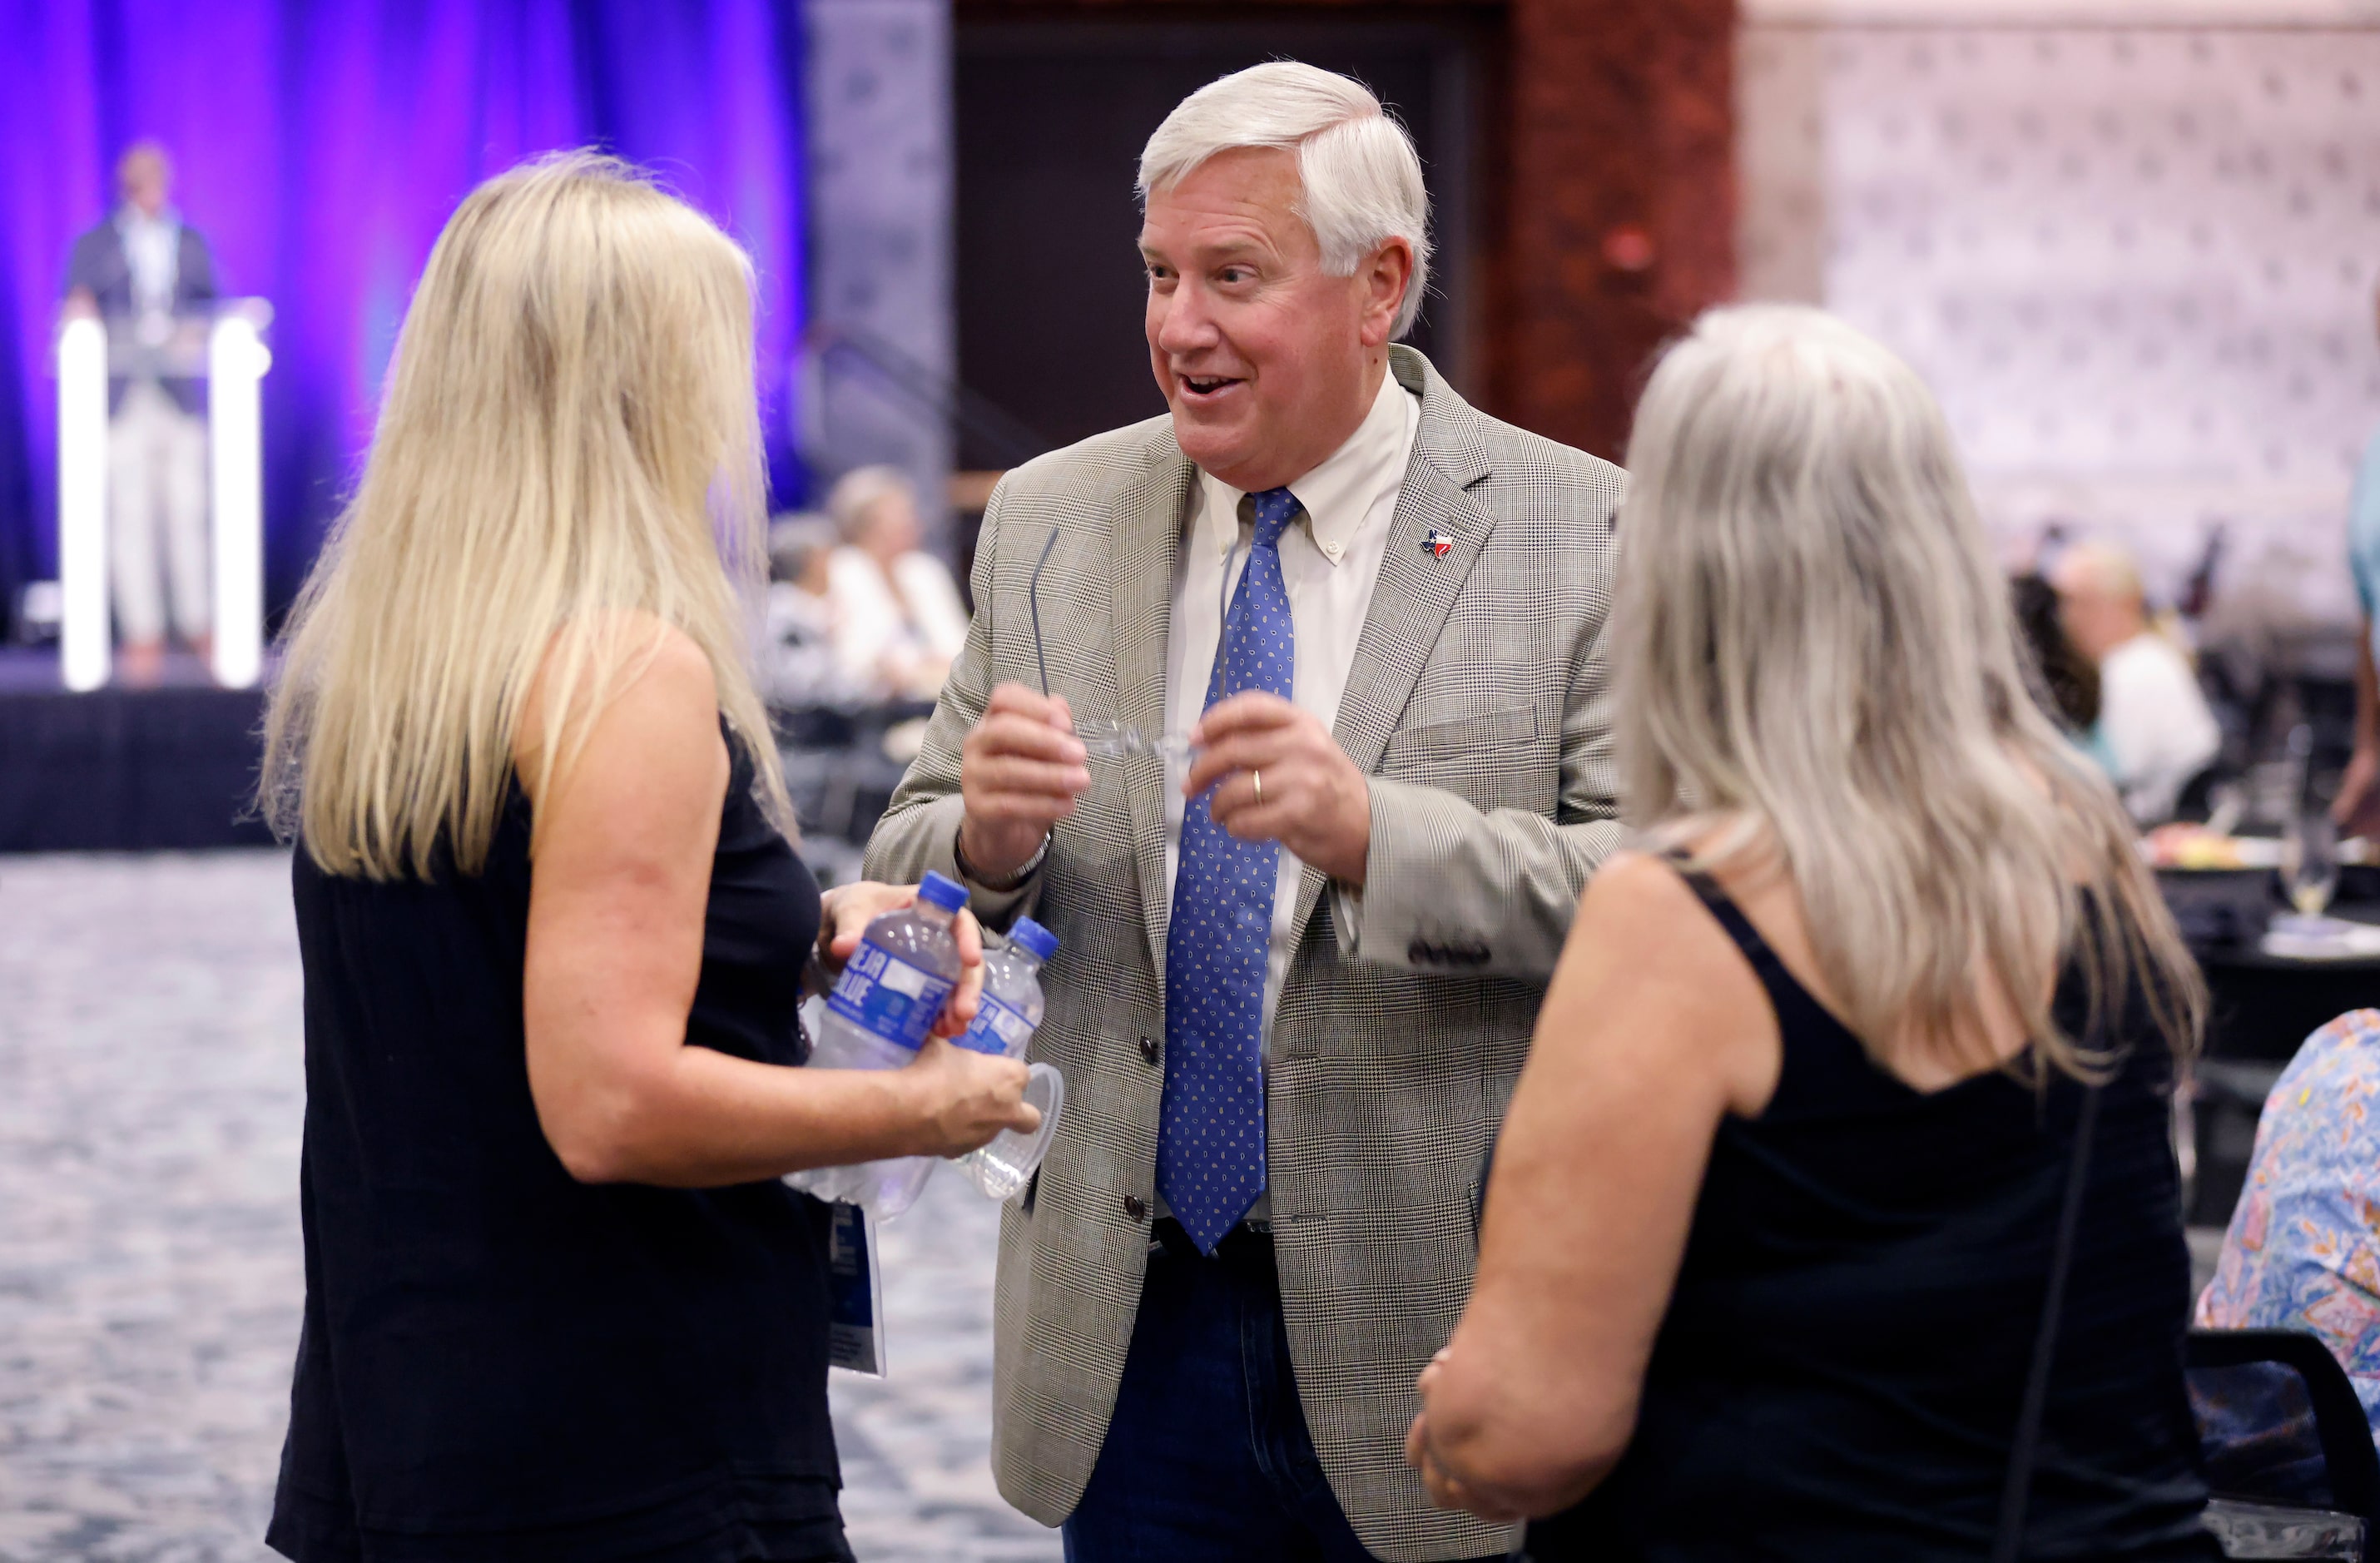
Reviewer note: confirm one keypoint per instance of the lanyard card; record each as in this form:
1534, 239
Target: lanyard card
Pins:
855, 1293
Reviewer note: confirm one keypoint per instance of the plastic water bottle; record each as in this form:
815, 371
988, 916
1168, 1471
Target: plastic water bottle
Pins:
1011, 1010
891, 992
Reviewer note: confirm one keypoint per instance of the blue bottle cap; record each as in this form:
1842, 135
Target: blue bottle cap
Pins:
1035, 939
948, 894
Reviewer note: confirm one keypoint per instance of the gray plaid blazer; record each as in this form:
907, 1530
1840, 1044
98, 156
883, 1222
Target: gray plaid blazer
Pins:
1478, 704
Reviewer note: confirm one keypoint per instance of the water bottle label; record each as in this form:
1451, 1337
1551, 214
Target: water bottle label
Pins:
888, 996
998, 1029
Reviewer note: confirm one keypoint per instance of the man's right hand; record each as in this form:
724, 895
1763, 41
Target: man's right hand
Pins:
1020, 771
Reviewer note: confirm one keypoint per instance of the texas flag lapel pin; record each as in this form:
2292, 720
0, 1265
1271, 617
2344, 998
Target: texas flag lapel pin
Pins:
1438, 545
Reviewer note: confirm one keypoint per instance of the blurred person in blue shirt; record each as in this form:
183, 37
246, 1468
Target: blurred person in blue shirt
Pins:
2357, 808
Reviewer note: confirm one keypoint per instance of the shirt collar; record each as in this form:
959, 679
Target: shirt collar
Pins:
1340, 492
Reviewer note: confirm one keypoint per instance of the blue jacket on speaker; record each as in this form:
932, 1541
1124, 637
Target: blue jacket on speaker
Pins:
101, 262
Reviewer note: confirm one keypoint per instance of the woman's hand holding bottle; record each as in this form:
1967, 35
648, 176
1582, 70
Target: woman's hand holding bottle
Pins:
966, 1098
899, 955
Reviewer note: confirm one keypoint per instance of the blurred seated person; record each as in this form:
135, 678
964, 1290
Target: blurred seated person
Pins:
2304, 1248
2068, 679
139, 271
2154, 733
1771, 1221
899, 620
801, 662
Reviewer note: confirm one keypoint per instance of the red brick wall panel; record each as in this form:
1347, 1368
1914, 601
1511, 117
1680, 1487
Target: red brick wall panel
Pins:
1620, 203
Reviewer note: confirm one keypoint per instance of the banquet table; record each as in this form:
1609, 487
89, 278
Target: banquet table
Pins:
2262, 1006
2260, 1009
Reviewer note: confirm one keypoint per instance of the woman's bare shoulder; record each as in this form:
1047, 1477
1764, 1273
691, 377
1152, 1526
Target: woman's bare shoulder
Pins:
661, 709
1654, 977
1640, 912
1636, 878
678, 669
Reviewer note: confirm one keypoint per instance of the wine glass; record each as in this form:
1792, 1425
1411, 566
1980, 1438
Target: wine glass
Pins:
2309, 861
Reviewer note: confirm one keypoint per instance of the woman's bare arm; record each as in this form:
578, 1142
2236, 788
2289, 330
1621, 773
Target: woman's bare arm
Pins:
1654, 1029
615, 924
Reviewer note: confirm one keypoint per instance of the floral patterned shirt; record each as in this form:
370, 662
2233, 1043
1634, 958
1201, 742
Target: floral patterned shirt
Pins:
2304, 1248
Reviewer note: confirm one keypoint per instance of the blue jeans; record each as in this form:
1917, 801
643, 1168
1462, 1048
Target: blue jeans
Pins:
1207, 1457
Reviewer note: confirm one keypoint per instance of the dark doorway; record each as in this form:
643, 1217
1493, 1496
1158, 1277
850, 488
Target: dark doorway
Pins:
1053, 111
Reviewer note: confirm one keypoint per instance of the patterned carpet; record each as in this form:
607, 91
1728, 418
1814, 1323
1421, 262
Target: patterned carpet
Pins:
150, 1102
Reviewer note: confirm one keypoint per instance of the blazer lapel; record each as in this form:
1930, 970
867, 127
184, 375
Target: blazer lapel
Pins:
1140, 579
1417, 585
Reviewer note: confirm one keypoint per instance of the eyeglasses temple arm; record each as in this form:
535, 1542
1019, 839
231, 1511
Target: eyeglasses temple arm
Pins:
1033, 597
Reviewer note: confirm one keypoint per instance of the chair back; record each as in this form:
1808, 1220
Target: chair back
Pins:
2289, 1457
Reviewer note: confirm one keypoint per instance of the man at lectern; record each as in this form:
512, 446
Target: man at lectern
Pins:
143, 270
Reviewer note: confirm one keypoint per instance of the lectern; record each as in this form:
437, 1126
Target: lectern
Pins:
225, 347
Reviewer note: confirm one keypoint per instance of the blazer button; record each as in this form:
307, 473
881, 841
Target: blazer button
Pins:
1148, 1049
1136, 1208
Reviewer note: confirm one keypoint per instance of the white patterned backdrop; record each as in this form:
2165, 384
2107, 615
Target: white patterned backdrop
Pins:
2137, 264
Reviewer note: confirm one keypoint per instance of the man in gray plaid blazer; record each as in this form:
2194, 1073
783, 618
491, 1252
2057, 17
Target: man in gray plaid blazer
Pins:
1308, 672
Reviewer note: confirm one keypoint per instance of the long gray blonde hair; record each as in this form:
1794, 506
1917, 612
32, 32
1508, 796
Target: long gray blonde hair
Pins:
1815, 651
567, 450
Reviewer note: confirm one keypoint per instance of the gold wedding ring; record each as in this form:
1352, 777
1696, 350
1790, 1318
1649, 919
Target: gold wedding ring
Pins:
1258, 777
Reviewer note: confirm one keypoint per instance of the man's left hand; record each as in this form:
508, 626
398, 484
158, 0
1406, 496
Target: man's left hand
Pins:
1280, 776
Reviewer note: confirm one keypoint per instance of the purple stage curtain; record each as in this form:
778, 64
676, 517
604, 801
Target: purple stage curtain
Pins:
320, 145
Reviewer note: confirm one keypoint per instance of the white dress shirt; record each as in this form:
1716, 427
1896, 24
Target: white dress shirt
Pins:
1328, 563
153, 253
917, 609
2155, 722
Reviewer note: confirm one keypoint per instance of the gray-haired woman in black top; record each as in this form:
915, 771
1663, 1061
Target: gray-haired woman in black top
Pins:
1772, 1221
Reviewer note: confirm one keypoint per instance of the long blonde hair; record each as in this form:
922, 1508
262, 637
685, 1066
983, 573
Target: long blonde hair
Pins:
567, 448
1814, 649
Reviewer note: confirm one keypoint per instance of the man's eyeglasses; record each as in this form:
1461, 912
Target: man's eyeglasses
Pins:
1101, 737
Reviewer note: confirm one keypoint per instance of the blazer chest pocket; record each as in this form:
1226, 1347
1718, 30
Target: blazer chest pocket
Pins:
1487, 757
1514, 724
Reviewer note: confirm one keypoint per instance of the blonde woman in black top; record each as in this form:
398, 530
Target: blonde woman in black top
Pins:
554, 930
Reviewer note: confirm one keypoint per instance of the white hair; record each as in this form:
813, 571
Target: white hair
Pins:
852, 503
1361, 177
1813, 646
2100, 568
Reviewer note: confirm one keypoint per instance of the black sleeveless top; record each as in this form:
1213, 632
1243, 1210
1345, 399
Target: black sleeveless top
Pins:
1839, 1372
497, 1362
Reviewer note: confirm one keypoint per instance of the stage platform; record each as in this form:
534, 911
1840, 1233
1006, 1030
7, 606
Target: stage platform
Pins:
126, 770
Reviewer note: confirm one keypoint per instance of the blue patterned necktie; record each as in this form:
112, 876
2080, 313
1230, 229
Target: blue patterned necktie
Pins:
1210, 1136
